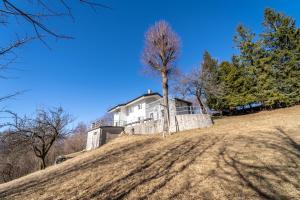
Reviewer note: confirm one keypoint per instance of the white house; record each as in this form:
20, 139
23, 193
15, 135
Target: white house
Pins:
145, 108
145, 115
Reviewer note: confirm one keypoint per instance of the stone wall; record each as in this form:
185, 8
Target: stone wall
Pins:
177, 123
99, 136
190, 121
149, 127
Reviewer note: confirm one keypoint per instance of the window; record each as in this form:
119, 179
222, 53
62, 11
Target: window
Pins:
140, 106
129, 110
151, 116
139, 119
162, 113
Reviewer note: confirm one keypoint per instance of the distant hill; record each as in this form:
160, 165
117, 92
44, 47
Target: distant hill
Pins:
253, 156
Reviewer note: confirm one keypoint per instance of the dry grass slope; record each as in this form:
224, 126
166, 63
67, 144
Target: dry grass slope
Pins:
246, 157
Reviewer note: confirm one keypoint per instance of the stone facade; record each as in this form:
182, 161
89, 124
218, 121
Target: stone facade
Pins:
177, 123
100, 135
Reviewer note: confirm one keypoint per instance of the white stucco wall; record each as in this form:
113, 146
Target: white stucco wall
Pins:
135, 113
93, 139
155, 108
99, 136
123, 114
116, 117
131, 112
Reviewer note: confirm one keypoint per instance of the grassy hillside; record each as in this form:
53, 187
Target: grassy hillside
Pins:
245, 157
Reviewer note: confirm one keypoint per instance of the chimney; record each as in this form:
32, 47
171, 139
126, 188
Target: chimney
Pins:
149, 91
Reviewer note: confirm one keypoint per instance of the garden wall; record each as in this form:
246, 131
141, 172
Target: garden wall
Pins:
177, 123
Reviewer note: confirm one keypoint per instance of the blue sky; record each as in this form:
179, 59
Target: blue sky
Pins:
101, 67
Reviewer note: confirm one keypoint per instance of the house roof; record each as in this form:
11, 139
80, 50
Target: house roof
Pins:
177, 99
135, 99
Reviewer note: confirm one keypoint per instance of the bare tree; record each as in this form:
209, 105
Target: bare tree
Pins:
77, 140
105, 120
34, 13
201, 82
160, 53
179, 87
42, 131
191, 84
16, 158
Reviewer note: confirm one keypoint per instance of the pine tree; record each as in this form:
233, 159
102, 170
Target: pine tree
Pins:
212, 89
266, 69
279, 68
246, 63
229, 75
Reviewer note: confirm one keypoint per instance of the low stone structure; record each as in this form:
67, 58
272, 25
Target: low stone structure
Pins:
177, 123
98, 136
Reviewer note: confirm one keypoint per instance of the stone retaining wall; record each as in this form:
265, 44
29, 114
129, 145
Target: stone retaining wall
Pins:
177, 123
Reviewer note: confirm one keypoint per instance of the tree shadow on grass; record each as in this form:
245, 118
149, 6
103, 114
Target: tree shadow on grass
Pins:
264, 165
159, 168
110, 156
271, 171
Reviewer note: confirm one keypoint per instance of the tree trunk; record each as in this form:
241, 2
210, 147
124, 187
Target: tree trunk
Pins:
165, 87
43, 163
200, 102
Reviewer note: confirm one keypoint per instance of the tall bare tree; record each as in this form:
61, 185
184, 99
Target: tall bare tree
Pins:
42, 131
202, 83
160, 53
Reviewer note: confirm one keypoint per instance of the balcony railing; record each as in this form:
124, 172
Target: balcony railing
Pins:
124, 123
184, 110
119, 123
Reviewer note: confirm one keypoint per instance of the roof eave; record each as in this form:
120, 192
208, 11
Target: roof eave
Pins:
113, 109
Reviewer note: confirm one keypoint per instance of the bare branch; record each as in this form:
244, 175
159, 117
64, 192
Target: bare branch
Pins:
161, 47
11, 8
10, 96
14, 45
160, 53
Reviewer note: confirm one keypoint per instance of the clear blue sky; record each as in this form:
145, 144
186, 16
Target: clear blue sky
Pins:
101, 67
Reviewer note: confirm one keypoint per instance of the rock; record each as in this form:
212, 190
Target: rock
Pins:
60, 159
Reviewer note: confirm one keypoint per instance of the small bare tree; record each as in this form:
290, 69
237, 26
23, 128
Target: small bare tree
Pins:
42, 131
16, 158
194, 82
77, 140
201, 82
178, 86
190, 84
160, 53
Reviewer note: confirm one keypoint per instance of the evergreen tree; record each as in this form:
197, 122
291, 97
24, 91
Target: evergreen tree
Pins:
246, 63
212, 88
266, 69
279, 68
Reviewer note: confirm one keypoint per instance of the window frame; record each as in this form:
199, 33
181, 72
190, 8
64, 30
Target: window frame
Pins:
140, 106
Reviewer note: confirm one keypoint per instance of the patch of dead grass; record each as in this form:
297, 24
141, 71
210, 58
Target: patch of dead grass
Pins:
243, 157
